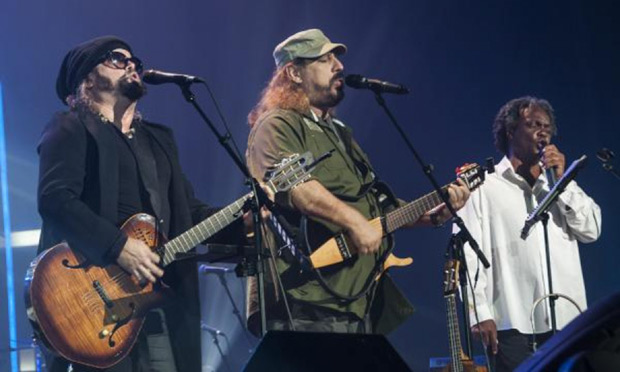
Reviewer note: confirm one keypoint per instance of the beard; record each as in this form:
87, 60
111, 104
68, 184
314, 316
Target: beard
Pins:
325, 96
131, 89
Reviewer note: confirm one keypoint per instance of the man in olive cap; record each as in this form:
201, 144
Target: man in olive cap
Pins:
295, 115
100, 164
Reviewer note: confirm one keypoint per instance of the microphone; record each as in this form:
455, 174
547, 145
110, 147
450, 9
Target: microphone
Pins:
549, 172
218, 270
605, 155
155, 77
377, 86
212, 330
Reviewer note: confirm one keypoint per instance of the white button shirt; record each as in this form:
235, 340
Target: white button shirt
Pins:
506, 292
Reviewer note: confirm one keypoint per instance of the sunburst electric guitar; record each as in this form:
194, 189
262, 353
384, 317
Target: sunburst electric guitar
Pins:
92, 315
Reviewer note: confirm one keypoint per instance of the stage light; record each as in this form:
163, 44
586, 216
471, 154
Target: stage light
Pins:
6, 215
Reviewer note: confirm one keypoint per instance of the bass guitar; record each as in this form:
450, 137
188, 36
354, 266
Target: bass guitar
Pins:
459, 361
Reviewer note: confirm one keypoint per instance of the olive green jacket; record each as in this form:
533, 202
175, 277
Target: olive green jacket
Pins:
347, 173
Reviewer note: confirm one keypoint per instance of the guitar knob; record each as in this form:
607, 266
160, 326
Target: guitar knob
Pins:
104, 333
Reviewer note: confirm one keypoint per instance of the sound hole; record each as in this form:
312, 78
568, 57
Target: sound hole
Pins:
81, 265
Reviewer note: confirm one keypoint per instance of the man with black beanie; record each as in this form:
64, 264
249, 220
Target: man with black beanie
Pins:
100, 163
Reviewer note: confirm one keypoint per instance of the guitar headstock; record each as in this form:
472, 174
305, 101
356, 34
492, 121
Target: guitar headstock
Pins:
450, 277
473, 175
289, 172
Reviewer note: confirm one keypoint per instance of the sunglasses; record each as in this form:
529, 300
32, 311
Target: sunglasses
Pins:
120, 61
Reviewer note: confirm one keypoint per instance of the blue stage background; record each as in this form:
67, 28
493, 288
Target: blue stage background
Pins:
462, 61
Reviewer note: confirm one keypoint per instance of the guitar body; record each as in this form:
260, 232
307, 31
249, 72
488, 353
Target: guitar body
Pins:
328, 246
468, 365
88, 314
328, 249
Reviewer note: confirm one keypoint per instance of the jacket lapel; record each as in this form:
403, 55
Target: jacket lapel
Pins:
108, 164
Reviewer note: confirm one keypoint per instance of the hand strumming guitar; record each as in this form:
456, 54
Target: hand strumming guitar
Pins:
140, 261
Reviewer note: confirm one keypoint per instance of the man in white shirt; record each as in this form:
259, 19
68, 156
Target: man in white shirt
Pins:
505, 293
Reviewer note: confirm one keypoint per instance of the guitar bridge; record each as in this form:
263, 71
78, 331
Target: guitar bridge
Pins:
102, 294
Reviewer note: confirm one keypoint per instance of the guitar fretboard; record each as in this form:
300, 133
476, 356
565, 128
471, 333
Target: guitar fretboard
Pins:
454, 335
204, 230
412, 211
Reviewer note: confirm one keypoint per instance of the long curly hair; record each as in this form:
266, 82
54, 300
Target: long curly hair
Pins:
511, 113
280, 93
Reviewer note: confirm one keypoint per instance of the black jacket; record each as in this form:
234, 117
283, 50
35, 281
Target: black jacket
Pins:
78, 199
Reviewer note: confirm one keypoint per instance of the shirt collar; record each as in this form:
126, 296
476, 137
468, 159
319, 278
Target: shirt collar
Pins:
315, 118
312, 116
505, 169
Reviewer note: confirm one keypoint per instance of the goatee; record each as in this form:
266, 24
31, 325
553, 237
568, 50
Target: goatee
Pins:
131, 89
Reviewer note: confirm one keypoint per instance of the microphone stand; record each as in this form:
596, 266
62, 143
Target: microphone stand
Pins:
259, 199
215, 333
222, 279
428, 171
541, 213
610, 168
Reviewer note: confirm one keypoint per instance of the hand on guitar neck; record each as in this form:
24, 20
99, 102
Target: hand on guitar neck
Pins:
487, 330
458, 193
140, 261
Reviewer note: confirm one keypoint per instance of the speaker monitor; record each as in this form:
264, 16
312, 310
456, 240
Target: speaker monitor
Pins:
591, 342
306, 351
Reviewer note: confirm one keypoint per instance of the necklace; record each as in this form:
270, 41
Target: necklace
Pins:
129, 133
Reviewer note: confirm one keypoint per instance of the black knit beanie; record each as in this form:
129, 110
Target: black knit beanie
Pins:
81, 60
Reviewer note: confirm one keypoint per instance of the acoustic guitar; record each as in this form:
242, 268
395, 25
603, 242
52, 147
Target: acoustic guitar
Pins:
338, 248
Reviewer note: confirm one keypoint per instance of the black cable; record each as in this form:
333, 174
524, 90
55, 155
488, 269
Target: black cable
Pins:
275, 267
369, 280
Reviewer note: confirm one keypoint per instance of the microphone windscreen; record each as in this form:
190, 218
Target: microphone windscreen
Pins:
354, 81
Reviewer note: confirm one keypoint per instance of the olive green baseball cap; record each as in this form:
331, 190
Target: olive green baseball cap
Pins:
305, 44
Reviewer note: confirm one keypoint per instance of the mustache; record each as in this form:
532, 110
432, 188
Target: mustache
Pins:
339, 75
128, 76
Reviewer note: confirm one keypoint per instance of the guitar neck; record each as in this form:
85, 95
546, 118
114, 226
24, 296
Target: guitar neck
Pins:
412, 211
204, 230
454, 336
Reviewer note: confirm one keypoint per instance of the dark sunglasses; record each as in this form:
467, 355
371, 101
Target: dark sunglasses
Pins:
120, 61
